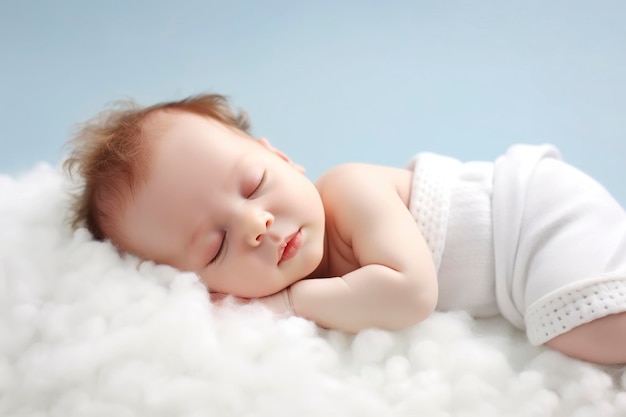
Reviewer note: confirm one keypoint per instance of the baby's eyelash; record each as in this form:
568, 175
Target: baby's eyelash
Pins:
220, 251
261, 182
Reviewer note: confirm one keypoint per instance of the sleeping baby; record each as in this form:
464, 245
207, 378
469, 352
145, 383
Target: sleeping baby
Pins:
529, 237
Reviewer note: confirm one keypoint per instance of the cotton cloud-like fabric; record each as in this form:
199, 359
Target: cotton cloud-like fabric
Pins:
87, 332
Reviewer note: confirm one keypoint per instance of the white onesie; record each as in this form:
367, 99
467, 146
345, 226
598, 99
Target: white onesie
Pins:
529, 237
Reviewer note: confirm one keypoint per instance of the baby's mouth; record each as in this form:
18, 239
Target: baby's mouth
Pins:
290, 246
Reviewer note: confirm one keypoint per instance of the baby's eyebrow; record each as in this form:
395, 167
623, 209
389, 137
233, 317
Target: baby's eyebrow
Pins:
240, 165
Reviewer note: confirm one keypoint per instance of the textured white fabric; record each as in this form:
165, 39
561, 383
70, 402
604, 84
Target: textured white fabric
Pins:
572, 306
451, 202
572, 236
433, 179
529, 237
468, 260
512, 173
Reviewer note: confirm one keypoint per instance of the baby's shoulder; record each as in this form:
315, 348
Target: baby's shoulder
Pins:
347, 171
354, 171
355, 181
351, 175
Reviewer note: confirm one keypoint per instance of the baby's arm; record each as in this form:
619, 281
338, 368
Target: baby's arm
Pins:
395, 285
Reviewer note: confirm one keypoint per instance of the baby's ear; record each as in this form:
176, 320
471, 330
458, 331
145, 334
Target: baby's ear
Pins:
266, 143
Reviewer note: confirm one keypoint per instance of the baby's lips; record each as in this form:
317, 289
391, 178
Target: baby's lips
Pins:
292, 246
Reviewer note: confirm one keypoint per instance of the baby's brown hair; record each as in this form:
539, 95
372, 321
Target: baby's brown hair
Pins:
110, 154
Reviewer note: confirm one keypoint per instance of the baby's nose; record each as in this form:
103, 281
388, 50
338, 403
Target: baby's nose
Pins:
257, 226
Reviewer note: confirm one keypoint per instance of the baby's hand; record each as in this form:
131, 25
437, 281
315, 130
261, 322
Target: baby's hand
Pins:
217, 298
279, 303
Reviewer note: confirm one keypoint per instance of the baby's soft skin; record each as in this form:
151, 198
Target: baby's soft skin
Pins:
243, 217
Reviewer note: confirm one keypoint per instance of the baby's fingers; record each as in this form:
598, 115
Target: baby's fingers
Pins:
218, 298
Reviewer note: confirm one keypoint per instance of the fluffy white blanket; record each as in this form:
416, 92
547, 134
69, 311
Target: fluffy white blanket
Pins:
85, 332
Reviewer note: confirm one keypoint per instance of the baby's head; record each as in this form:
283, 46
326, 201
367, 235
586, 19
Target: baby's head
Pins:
111, 155
184, 184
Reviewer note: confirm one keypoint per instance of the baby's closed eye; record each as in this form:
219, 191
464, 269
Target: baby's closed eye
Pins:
255, 186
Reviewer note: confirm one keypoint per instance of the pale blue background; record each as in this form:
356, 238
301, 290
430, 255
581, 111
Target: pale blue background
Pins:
330, 81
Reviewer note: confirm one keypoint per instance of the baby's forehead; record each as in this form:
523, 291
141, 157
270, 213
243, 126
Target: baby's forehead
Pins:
166, 129
160, 121
188, 142
182, 141
163, 120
